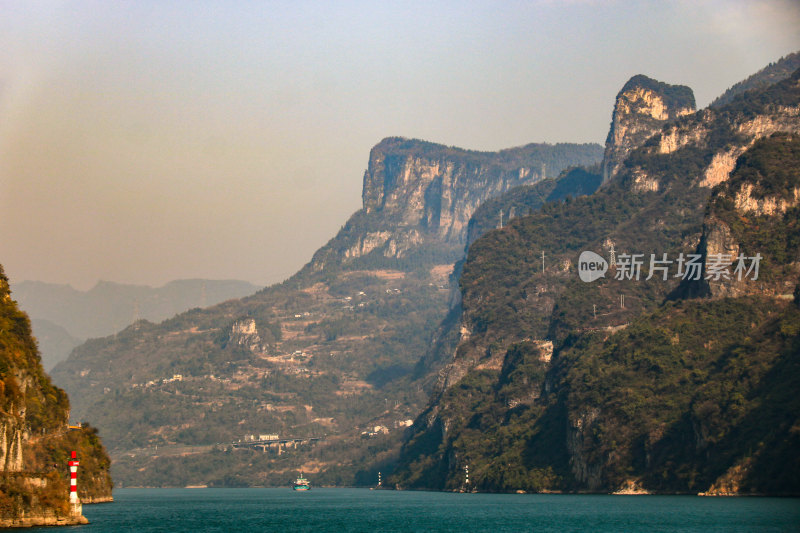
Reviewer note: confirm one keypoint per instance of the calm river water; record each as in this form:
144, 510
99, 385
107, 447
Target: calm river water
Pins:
229, 510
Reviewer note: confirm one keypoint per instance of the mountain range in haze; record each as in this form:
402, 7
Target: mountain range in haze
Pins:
660, 383
64, 317
331, 351
453, 293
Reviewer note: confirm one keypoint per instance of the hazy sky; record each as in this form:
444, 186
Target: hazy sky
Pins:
142, 141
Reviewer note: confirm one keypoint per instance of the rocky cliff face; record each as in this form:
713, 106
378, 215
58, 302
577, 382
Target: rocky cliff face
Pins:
641, 108
511, 301
331, 351
751, 225
15, 383
11, 436
435, 190
35, 440
418, 197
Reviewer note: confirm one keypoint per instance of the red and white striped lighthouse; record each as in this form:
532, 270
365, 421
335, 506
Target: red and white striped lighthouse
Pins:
73, 479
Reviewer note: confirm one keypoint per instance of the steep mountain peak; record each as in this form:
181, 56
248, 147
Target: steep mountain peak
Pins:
640, 109
418, 198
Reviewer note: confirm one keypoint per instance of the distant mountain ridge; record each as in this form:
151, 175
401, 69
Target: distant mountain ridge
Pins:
418, 198
63, 317
55, 342
772, 73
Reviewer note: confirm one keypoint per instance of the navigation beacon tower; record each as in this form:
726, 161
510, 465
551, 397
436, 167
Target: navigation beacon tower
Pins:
74, 503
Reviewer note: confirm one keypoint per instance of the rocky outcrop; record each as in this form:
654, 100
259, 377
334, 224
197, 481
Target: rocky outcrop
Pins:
747, 203
418, 197
35, 439
631, 487
366, 243
11, 434
720, 167
245, 333
641, 108
672, 159
44, 518
730, 483
750, 216
579, 443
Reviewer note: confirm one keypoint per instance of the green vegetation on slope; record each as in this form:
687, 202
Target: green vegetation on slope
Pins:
331, 351
769, 173
658, 403
692, 396
772, 73
36, 440
685, 394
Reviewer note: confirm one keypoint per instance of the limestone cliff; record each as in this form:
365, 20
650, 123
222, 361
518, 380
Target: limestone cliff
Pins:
35, 439
598, 418
418, 197
641, 108
323, 353
754, 214
426, 187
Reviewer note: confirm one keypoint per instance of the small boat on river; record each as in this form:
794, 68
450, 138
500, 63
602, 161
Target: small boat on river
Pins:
301, 483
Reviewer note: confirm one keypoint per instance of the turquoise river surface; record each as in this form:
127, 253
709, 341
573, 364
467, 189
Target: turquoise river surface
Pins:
223, 510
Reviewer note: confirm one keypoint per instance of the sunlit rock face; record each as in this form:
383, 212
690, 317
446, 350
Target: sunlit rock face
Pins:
752, 212
418, 196
436, 191
640, 110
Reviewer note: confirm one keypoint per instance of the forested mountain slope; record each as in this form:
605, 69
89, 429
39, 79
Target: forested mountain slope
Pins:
772, 73
35, 441
328, 353
623, 384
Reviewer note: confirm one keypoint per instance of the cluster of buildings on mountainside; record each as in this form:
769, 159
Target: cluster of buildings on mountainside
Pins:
153, 382
374, 431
